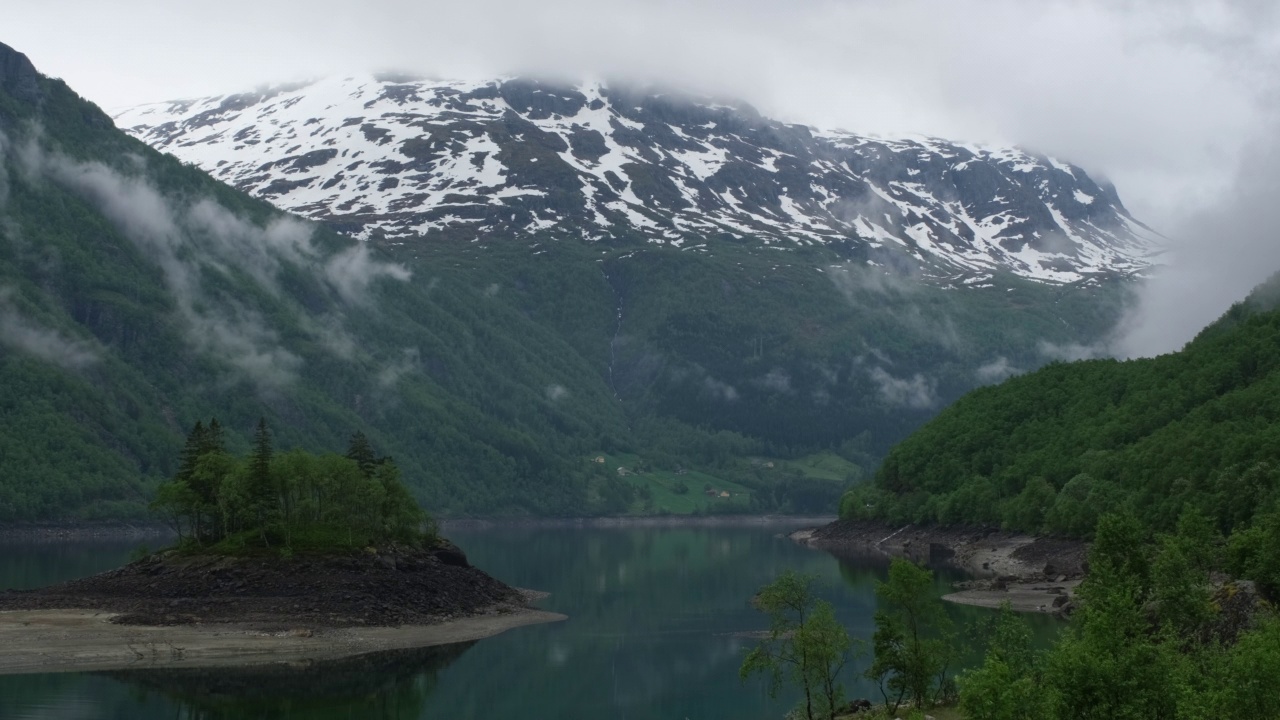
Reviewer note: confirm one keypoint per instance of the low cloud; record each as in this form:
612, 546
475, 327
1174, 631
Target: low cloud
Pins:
1071, 352
776, 380
1217, 256
243, 338
353, 270
184, 240
409, 361
852, 278
228, 239
997, 370
916, 392
719, 390
556, 393
19, 332
332, 335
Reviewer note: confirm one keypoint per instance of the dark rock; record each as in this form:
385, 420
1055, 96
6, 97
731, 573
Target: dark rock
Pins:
939, 552
338, 589
857, 706
18, 77
451, 554
1060, 601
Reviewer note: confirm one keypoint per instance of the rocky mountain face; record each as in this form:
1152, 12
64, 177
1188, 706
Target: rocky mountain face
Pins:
396, 158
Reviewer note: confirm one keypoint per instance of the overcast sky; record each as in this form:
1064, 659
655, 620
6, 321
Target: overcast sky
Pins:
1173, 100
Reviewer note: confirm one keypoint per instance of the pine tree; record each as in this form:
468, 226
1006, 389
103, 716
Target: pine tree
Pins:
361, 451
191, 452
214, 440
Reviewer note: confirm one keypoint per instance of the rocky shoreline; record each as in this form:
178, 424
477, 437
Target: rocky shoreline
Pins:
1032, 574
179, 609
385, 587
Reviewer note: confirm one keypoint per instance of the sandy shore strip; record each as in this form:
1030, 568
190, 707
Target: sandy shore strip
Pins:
43, 641
1021, 596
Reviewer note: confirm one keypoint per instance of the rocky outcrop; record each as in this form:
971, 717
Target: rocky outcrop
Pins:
18, 77
389, 586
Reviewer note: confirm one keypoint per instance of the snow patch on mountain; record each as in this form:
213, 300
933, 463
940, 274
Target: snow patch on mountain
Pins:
404, 160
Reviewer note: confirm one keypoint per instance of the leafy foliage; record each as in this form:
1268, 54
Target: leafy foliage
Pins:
1053, 450
806, 645
1008, 684
1150, 641
912, 643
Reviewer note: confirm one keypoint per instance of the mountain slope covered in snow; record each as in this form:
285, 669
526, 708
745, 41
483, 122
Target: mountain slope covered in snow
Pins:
401, 159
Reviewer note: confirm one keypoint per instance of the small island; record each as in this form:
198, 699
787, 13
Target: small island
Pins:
280, 556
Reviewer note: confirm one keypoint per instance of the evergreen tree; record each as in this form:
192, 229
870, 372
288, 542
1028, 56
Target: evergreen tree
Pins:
191, 451
214, 440
361, 450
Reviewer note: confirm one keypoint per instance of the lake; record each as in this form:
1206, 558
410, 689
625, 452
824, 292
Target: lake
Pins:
654, 631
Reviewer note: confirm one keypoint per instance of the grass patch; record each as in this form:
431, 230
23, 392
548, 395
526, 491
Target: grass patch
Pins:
672, 492
823, 466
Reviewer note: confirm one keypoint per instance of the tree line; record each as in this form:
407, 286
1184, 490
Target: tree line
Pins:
287, 499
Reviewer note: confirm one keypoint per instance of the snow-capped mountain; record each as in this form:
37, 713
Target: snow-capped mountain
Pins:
398, 158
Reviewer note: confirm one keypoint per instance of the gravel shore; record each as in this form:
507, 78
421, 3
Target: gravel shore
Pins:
42, 641
1031, 574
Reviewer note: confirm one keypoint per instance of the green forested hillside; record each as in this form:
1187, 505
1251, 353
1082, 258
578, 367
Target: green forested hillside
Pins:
138, 295
1052, 450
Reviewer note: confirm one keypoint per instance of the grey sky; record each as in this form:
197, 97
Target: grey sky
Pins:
1166, 98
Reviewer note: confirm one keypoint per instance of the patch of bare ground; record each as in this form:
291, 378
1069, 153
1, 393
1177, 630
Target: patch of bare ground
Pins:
80, 640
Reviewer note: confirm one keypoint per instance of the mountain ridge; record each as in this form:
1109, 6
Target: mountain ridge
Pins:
513, 158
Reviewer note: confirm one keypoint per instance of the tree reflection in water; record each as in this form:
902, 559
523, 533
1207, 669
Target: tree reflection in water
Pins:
391, 685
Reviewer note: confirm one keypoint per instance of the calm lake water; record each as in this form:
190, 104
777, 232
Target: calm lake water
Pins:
653, 613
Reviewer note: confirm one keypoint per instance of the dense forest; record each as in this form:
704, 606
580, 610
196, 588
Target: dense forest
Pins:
137, 295
1053, 450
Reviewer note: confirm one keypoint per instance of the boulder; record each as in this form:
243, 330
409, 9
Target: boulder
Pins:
450, 554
